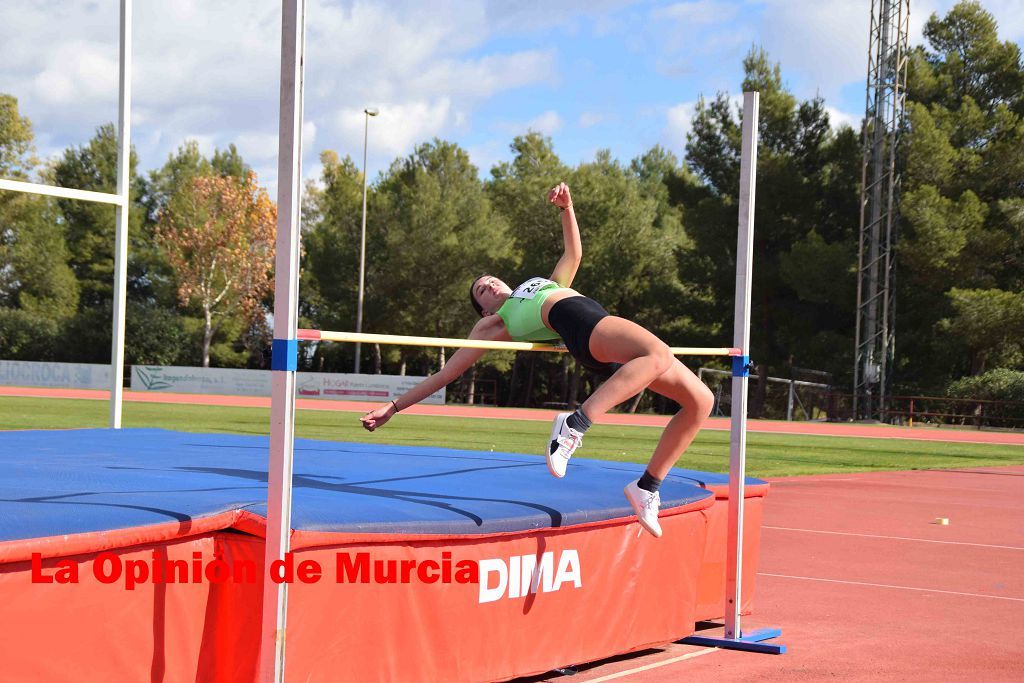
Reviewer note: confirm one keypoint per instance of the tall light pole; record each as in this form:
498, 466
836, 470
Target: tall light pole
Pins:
371, 111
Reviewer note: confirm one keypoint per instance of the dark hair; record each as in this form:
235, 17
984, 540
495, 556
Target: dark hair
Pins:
472, 298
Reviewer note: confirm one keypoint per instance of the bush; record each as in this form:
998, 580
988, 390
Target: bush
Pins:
154, 335
26, 336
85, 337
1000, 384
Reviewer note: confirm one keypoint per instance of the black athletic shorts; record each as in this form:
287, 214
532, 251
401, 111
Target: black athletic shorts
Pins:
574, 319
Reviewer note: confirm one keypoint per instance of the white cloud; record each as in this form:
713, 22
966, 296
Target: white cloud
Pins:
478, 80
678, 121
206, 143
699, 12
546, 123
687, 30
210, 71
258, 147
488, 154
396, 129
1010, 16
525, 16
839, 118
309, 130
823, 46
77, 74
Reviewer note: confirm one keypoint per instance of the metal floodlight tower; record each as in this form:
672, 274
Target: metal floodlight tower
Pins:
879, 206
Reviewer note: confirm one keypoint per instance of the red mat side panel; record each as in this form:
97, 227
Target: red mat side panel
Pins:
473, 632
711, 581
157, 631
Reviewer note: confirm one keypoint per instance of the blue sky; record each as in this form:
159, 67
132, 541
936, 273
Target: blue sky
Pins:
600, 74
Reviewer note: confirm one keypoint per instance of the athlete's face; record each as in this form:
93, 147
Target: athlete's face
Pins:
490, 293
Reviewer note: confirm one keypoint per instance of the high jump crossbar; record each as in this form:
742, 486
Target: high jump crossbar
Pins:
61, 192
365, 338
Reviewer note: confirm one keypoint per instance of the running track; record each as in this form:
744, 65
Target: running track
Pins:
454, 410
865, 587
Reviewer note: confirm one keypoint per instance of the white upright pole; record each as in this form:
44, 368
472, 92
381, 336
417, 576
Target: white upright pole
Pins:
124, 151
741, 340
285, 344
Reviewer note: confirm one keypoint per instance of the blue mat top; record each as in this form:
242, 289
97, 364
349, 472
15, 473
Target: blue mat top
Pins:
78, 481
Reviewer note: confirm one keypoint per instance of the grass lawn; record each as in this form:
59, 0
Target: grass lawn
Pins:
768, 455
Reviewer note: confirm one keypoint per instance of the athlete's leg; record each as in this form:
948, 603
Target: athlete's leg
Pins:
686, 389
682, 386
644, 359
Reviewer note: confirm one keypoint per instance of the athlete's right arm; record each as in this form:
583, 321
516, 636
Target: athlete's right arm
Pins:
569, 263
490, 327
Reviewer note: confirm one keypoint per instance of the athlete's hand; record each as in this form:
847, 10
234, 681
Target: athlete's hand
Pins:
559, 196
377, 418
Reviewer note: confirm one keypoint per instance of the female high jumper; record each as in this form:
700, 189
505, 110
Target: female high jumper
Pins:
545, 310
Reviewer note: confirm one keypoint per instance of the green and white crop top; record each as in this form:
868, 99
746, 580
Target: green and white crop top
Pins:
521, 312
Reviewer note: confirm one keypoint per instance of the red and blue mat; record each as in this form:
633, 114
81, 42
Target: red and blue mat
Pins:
563, 571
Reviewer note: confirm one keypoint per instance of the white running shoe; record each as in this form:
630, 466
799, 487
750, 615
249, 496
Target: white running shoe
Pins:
564, 442
645, 505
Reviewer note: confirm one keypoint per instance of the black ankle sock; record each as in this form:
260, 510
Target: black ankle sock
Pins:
649, 483
578, 421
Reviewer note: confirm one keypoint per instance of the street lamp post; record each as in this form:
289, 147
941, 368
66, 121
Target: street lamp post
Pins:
371, 111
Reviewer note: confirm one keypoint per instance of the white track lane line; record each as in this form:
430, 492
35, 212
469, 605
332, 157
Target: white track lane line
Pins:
885, 585
655, 665
895, 538
898, 437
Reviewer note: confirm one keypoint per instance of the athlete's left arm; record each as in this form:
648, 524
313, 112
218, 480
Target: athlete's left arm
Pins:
565, 269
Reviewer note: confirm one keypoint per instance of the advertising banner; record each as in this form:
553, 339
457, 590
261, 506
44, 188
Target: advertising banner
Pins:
17, 373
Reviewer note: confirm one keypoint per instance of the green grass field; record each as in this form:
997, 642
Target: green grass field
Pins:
768, 455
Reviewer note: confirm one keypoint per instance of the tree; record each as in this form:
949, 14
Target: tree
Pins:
332, 222
35, 260
17, 158
184, 165
670, 305
806, 210
518, 191
160, 296
218, 235
440, 234
967, 61
229, 162
332, 225
626, 256
990, 323
89, 227
34, 274
962, 242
